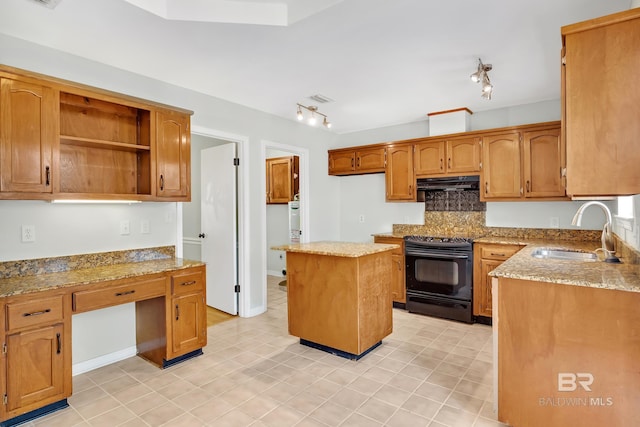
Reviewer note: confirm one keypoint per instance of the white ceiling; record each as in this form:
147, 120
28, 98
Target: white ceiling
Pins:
383, 62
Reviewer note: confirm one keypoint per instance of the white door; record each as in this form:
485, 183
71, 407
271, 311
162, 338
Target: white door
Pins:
219, 225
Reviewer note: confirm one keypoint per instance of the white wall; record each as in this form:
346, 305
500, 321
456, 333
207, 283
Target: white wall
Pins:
627, 228
90, 229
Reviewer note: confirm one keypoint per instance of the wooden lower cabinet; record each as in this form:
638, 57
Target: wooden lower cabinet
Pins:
486, 258
398, 275
189, 325
37, 363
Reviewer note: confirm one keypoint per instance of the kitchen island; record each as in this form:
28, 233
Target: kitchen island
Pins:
339, 295
566, 341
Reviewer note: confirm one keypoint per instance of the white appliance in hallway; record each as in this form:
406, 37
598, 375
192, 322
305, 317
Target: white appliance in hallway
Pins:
294, 221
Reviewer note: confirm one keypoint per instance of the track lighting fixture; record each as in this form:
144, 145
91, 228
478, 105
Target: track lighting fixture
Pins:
481, 76
313, 119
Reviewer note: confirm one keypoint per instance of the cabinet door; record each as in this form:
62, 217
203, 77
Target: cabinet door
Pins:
502, 170
189, 324
342, 162
601, 98
430, 158
399, 178
282, 179
370, 160
173, 156
542, 156
28, 116
36, 376
484, 293
398, 289
463, 155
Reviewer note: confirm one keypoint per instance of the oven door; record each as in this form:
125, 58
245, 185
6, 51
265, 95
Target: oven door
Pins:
441, 274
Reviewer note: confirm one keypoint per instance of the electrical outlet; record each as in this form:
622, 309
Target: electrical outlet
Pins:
144, 226
361, 218
28, 233
124, 227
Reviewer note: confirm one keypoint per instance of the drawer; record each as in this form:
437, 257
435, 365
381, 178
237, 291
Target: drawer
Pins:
500, 252
44, 311
188, 282
392, 241
121, 294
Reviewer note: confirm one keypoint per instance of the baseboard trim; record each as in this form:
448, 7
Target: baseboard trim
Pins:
99, 362
275, 273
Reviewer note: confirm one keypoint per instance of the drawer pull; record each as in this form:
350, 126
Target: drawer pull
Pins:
119, 294
59, 342
189, 283
495, 254
37, 313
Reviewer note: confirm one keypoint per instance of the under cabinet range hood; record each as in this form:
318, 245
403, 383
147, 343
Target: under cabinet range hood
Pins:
451, 183
456, 193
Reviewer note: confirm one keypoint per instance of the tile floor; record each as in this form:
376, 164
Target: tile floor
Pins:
429, 372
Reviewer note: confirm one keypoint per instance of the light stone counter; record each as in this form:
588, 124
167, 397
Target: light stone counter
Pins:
598, 274
341, 249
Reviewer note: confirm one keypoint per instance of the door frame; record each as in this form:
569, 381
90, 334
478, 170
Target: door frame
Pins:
242, 151
303, 154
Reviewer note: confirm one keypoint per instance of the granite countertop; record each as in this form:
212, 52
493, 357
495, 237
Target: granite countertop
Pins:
342, 249
43, 282
598, 274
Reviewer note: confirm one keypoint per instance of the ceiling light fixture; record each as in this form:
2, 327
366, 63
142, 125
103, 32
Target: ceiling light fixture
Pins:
481, 76
312, 118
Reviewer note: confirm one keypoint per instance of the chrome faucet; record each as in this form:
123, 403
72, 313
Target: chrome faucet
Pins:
608, 245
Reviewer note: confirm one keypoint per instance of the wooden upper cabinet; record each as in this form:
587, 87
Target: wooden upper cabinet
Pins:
173, 156
62, 140
28, 130
399, 176
542, 155
502, 170
429, 158
342, 162
463, 155
601, 99
370, 160
456, 156
283, 181
357, 161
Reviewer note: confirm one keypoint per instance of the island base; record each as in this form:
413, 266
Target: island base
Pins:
337, 352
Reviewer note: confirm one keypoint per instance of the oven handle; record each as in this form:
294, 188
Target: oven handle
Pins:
423, 255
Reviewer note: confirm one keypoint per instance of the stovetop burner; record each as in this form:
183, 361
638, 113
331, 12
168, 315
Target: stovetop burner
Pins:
431, 239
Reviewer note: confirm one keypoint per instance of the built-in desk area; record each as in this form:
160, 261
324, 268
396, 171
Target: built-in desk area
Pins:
39, 297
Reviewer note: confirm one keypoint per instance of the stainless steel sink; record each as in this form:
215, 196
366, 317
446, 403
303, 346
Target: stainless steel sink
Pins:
564, 254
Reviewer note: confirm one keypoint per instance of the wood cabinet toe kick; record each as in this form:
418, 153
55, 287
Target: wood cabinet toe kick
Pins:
36, 332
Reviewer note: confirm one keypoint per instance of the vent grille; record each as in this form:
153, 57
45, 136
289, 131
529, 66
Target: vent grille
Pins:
320, 99
51, 4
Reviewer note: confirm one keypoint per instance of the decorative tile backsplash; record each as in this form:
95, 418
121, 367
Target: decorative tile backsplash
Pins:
454, 200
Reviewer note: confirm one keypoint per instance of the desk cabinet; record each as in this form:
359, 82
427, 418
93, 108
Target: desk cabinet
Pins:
171, 326
38, 353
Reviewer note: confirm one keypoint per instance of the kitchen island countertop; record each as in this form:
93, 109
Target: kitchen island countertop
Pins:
342, 249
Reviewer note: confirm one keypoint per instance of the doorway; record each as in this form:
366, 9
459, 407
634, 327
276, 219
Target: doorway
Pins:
193, 247
275, 217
